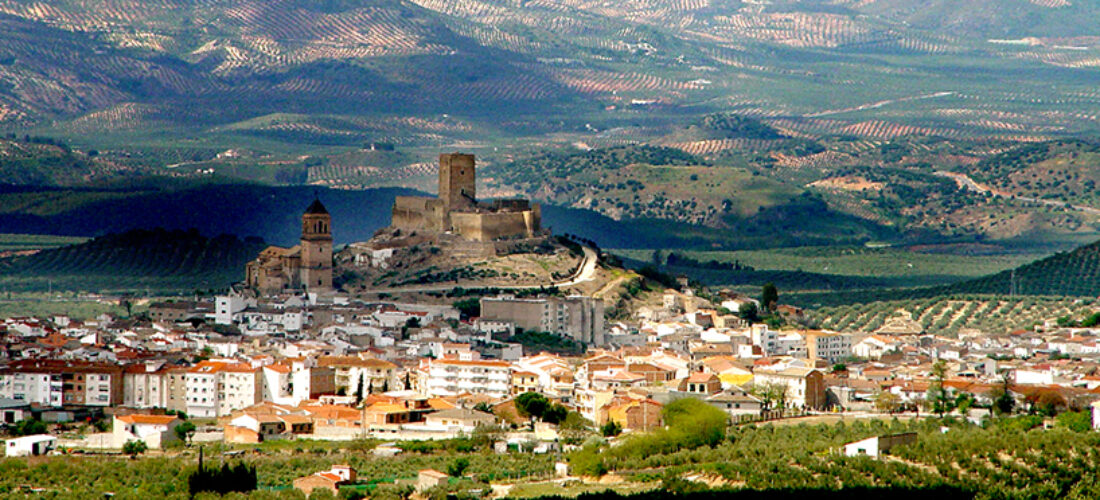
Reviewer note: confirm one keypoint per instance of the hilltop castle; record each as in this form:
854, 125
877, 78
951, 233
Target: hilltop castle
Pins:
306, 266
456, 209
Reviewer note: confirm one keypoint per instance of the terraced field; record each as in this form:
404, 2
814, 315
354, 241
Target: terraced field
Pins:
161, 260
954, 314
875, 70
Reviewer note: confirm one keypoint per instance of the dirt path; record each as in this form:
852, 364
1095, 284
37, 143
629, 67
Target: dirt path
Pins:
965, 182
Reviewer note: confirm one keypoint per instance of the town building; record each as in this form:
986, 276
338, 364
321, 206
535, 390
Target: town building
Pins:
306, 266
581, 318
155, 430
331, 480
449, 377
805, 387
30, 446
829, 346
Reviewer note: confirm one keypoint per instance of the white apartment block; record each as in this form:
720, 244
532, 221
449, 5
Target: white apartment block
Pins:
144, 389
239, 387
202, 391
829, 346
217, 388
445, 377
40, 388
577, 316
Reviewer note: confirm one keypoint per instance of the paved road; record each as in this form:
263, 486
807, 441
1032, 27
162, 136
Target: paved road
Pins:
964, 181
586, 272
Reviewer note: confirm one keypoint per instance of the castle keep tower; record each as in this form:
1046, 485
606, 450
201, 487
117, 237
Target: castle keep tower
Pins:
457, 181
316, 246
457, 210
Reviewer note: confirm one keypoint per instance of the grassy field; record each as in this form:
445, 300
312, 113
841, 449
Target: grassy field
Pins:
67, 304
902, 266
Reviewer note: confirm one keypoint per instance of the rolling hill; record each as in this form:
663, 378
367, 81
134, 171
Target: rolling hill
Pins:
1072, 274
166, 261
341, 72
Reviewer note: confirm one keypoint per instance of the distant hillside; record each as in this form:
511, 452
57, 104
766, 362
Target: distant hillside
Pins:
273, 213
344, 72
1075, 273
1065, 170
156, 259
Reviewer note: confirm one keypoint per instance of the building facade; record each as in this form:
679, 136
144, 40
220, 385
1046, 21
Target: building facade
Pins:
581, 318
447, 377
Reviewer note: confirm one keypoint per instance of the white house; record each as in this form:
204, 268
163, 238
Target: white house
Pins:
875, 346
155, 430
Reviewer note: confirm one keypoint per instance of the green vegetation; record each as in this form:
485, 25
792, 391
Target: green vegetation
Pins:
733, 126
537, 167
1065, 274
548, 342
533, 404
947, 315
73, 305
911, 267
134, 448
1003, 459
235, 478
27, 427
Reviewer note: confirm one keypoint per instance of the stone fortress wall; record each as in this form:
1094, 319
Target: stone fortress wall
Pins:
457, 210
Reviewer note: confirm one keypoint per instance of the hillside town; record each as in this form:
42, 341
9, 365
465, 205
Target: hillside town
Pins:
286, 355
310, 367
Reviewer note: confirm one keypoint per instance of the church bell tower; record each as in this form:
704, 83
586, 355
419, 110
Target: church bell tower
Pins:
316, 246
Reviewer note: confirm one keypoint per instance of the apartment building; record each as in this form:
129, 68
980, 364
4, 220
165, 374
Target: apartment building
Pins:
448, 377
829, 346
581, 318
805, 387
349, 372
217, 388
144, 386
57, 383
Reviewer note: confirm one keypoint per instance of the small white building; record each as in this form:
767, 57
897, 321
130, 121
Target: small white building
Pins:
875, 446
30, 446
155, 430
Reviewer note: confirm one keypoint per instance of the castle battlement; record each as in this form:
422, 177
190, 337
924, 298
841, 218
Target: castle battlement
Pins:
456, 210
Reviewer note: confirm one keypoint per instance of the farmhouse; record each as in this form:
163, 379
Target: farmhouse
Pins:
155, 430
330, 480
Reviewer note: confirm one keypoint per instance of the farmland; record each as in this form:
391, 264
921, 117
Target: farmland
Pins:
1004, 459
915, 268
137, 260
548, 70
948, 315
30, 242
